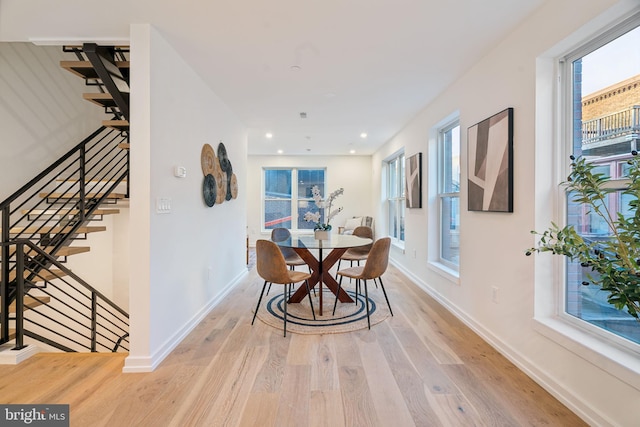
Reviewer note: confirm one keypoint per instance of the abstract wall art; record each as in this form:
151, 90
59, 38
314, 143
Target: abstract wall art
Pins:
413, 181
490, 163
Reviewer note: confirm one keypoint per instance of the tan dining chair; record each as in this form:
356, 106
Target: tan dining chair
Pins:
374, 267
290, 256
272, 267
358, 253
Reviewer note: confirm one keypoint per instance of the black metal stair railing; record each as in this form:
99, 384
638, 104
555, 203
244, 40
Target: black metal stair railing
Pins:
51, 209
66, 313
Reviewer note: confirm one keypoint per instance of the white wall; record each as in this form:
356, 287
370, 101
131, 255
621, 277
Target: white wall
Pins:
182, 262
42, 113
353, 173
493, 244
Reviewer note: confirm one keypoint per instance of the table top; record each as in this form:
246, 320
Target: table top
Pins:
334, 241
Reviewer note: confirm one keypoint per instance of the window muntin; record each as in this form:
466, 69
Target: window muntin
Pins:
396, 197
603, 108
287, 196
449, 194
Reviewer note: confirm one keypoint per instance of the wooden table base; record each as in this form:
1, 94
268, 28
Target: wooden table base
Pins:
320, 274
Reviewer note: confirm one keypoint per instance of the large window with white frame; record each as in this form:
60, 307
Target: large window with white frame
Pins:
449, 195
396, 197
601, 87
286, 196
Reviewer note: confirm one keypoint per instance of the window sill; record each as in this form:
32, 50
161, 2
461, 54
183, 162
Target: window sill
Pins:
620, 362
445, 271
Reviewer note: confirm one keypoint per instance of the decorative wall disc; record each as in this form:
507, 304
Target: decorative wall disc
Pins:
208, 159
225, 164
209, 190
234, 186
221, 183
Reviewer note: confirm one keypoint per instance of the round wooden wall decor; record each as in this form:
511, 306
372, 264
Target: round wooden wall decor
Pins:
234, 186
221, 182
208, 159
209, 190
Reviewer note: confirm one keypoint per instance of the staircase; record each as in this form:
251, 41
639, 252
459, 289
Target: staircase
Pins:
47, 220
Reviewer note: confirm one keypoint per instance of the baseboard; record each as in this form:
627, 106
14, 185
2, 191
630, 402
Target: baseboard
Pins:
8, 356
137, 364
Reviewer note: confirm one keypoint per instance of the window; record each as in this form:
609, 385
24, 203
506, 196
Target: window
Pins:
396, 202
602, 89
287, 196
449, 195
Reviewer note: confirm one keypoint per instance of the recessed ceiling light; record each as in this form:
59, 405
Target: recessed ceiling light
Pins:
352, 151
303, 115
268, 135
280, 151
363, 135
295, 68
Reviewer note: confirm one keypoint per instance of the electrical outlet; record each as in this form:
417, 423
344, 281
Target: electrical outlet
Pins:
494, 294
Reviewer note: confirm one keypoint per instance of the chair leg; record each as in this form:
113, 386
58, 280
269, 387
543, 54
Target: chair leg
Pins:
366, 300
385, 295
259, 299
335, 303
269, 288
285, 308
306, 282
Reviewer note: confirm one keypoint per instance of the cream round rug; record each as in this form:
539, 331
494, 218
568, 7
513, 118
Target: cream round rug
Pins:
349, 316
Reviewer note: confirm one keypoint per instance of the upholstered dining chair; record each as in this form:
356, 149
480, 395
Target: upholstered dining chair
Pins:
374, 267
290, 256
358, 253
272, 267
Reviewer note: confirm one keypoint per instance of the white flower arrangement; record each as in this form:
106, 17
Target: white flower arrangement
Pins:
323, 204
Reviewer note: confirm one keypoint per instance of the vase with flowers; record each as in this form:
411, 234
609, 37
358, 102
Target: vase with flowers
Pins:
322, 229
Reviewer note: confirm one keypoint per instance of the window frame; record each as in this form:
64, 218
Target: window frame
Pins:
551, 118
567, 130
396, 198
295, 199
441, 193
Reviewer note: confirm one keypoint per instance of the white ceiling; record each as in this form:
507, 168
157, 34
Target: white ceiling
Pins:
352, 66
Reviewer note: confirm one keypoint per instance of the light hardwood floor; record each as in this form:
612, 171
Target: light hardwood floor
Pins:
421, 367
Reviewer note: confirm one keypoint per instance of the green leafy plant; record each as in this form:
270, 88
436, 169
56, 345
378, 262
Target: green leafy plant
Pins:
615, 261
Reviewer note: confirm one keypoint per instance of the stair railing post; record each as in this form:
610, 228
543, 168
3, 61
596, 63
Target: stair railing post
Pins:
4, 279
19, 296
94, 321
81, 204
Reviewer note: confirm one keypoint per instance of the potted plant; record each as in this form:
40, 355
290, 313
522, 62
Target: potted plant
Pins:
321, 230
614, 262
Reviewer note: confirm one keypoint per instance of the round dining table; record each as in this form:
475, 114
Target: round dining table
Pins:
337, 244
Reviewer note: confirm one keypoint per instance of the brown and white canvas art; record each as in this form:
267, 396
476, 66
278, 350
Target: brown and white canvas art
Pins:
413, 181
490, 163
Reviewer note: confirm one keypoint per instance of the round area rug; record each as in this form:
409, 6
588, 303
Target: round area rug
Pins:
349, 316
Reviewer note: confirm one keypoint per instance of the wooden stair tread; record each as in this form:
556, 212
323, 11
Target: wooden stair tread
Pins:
85, 70
69, 250
57, 229
124, 145
68, 212
116, 124
30, 302
76, 196
102, 99
64, 251
43, 276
